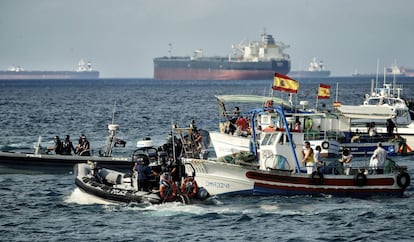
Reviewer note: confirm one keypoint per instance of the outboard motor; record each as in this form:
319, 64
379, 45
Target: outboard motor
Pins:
202, 193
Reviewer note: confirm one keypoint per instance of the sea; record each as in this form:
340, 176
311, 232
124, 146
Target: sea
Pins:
48, 206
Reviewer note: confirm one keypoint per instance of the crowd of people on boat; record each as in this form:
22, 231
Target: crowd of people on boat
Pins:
66, 147
161, 168
311, 159
237, 124
160, 172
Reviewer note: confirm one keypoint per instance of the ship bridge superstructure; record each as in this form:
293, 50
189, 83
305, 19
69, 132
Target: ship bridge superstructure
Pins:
264, 50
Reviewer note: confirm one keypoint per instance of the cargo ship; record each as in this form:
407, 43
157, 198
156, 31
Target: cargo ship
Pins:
84, 71
315, 70
253, 60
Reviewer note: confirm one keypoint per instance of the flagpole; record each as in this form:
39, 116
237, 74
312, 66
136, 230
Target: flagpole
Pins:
336, 94
317, 99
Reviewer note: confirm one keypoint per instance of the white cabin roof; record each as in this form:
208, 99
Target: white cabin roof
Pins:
366, 112
251, 99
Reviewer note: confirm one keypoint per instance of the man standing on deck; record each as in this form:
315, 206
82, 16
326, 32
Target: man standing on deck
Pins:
390, 127
378, 158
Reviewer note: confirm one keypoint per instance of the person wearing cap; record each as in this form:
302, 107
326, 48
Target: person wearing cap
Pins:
57, 147
378, 158
83, 148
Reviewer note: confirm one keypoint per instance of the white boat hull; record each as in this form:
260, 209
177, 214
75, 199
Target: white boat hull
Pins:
225, 144
278, 171
227, 179
221, 178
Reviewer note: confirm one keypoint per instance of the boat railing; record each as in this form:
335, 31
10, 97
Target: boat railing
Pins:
191, 147
337, 168
322, 135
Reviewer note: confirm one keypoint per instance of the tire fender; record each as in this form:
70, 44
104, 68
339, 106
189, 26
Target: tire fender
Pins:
317, 178
403, 180
360, 179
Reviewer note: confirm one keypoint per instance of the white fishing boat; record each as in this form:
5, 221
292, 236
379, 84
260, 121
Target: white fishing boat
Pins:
380, 105
317, 127
278, 171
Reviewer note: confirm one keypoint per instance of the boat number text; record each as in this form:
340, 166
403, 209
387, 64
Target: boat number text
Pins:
118, 192
218, 185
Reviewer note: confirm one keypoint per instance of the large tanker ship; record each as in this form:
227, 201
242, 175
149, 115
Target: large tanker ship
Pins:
84, 71
254, 60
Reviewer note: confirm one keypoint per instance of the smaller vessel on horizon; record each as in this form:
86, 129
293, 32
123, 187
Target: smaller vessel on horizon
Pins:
84, 71
393, 70
315, 69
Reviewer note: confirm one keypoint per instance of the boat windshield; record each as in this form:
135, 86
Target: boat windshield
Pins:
373, 101
269, 138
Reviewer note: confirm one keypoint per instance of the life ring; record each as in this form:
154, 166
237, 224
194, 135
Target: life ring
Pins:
325, 145
189, 187
317, 178
403, 180
360, 179
168, 190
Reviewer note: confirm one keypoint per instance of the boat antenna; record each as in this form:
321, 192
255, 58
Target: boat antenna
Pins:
290, 99
394, 78
112, 130
173, 126
317, 100
336, 94
113, 113
372, 87
169, 50
376, 76
271, 92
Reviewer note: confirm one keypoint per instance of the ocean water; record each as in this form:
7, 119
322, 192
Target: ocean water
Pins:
48, 207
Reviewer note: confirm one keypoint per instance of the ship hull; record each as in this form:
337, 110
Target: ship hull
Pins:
43, 75
217, 69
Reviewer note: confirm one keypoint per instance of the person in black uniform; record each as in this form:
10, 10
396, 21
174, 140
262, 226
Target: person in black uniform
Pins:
67, 146
83, 148
57, 147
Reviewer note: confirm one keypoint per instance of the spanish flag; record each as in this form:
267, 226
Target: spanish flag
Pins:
285, 84
324, 91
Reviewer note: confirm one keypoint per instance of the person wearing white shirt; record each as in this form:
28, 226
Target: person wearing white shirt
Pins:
378, 158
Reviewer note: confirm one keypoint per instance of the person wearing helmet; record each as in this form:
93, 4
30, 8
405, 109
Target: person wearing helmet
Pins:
83, 148
67, 146
57, 147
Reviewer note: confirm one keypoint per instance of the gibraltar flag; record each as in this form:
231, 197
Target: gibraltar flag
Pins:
324, 91
285, 84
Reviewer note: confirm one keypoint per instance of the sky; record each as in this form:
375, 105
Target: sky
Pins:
121, 37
